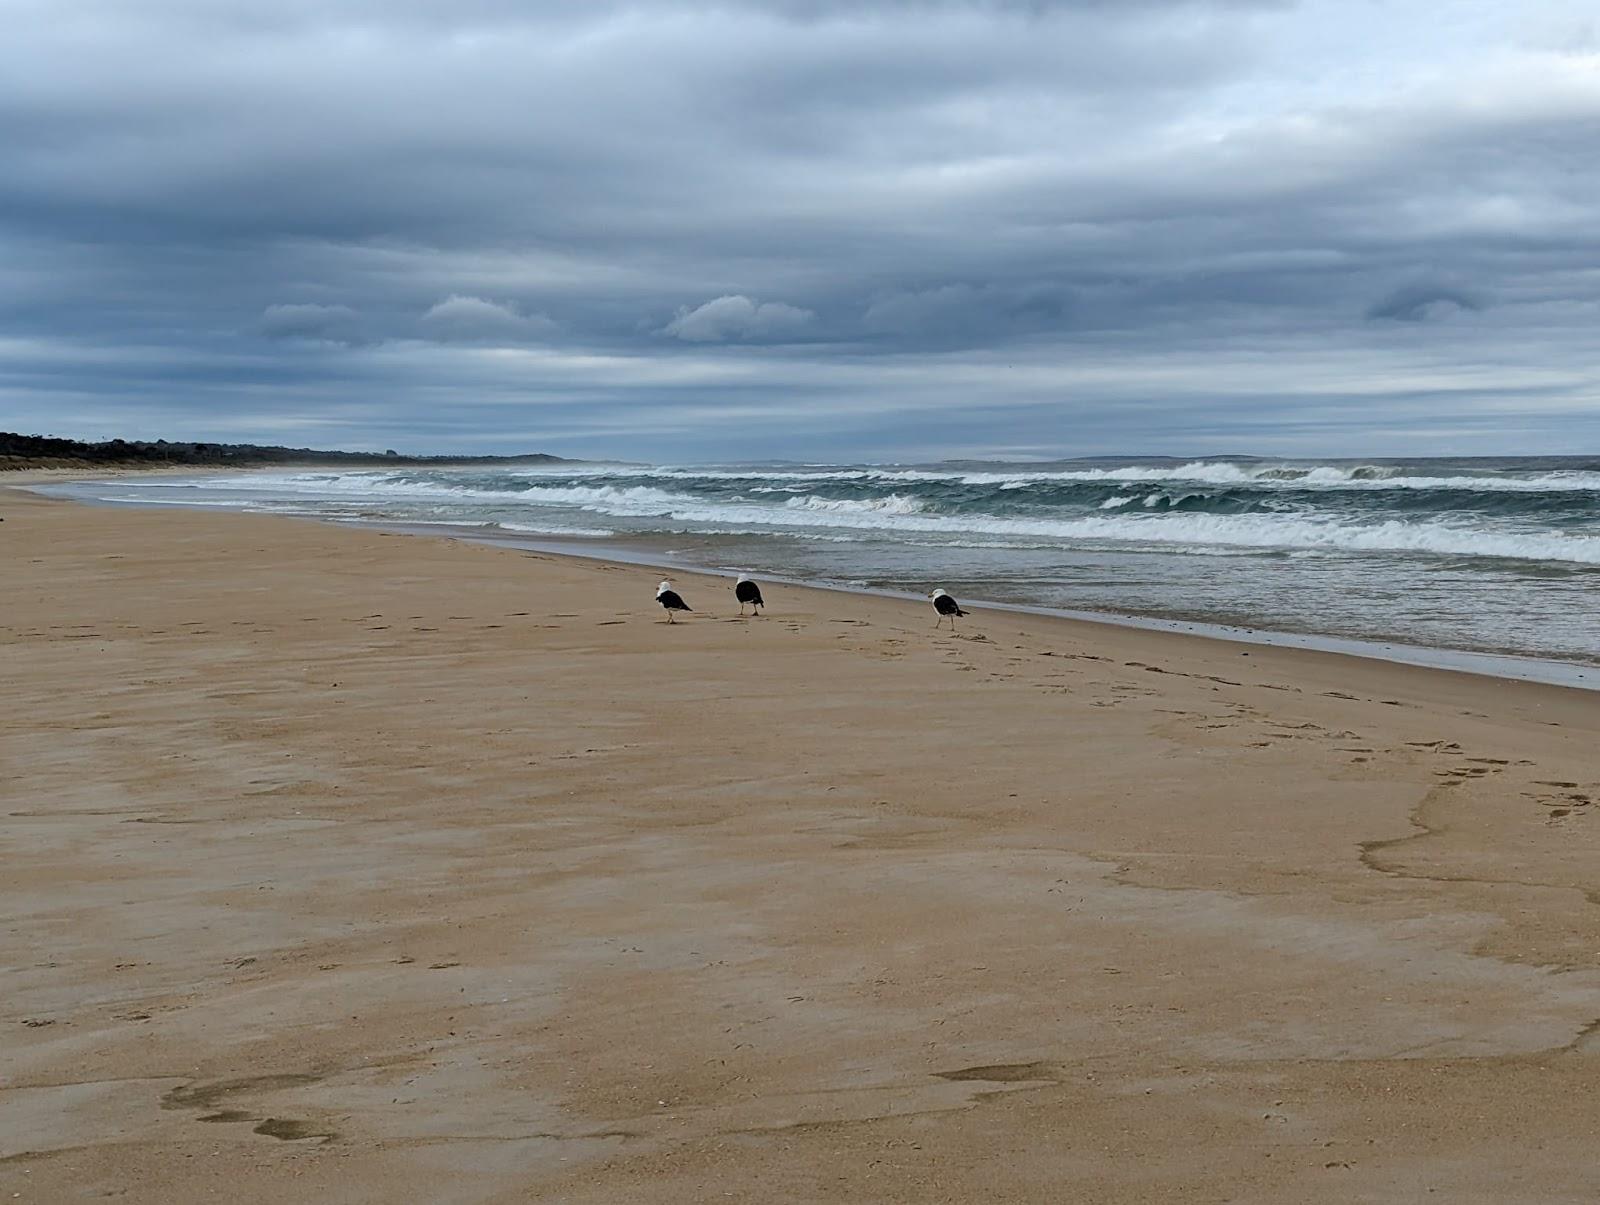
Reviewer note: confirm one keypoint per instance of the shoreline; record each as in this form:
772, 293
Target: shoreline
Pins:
361, 866
1578, 675
1573, 674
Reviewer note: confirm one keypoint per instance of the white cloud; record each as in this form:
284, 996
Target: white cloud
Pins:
738, 317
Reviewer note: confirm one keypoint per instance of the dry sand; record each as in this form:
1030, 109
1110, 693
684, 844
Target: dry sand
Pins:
351, 867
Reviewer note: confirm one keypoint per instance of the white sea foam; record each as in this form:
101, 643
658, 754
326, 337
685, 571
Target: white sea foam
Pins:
1216, 472
890, 504
637, 499
533, 529
1224, 473
213, 503
554, 529
1241, 531
608, 499
1283, 477
903, 515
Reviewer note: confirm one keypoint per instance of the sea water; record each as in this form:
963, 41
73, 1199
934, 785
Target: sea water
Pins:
1491, 555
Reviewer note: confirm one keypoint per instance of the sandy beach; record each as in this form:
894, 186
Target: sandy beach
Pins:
346, 866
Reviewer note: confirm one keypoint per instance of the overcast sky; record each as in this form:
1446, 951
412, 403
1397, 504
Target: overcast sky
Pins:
804, 228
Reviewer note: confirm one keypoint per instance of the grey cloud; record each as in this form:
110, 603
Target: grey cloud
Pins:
1421, 301
963, 313
414, 200
738, 317
323, 323
473, 320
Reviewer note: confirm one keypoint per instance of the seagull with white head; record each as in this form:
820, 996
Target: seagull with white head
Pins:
947, 607
748, 593
670, 600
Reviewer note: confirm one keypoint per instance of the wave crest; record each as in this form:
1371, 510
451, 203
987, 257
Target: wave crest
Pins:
891, 504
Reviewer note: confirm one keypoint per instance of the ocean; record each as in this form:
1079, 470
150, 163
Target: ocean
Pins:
1483, 555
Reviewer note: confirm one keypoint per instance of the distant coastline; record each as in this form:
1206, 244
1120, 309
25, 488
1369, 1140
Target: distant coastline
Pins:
19, 451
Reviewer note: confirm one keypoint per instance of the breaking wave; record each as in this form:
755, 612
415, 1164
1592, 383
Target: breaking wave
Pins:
893, 504
1489, 554
1211, 472
1238, 531
1545, 513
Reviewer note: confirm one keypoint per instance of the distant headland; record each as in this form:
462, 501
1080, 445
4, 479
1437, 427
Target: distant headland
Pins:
46, 452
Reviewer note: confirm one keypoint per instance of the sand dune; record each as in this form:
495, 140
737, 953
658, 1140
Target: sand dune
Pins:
361, 867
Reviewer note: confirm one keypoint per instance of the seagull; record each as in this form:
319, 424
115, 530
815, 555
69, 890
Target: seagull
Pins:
746, 591
669, 598
946, 605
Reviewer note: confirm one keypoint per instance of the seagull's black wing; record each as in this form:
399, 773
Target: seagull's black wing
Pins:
670, 600
748, 592
946, 605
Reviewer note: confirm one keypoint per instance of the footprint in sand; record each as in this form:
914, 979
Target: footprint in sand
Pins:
290, 1130
1004, 1073
1562, 807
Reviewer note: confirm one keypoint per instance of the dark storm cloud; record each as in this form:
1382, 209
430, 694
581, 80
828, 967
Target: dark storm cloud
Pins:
734, 226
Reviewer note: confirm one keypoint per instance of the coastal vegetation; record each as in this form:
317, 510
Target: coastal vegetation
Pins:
47, 452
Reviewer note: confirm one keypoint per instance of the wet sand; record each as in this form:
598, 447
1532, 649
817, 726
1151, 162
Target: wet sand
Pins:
363, 867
